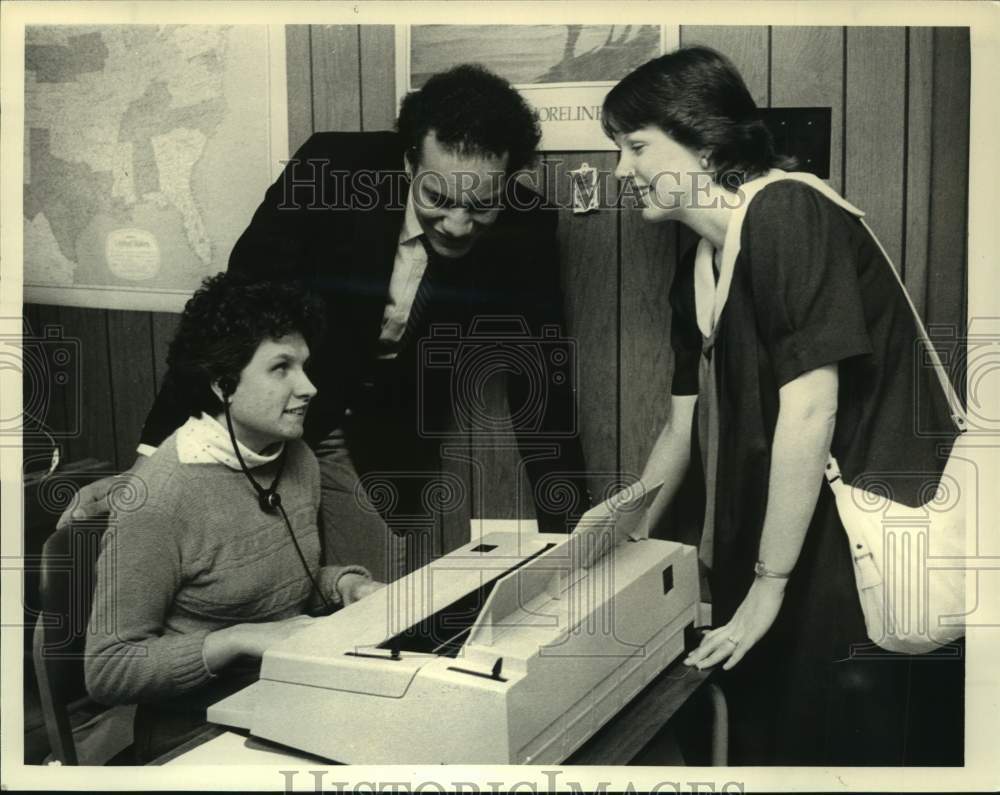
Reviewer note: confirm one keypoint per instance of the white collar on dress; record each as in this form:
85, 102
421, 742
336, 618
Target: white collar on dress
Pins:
203, 440
710, 294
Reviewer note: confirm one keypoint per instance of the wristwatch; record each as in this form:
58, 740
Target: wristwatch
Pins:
763, 571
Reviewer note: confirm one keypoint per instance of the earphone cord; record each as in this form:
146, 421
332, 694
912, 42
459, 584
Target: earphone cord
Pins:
295, 541
261, 491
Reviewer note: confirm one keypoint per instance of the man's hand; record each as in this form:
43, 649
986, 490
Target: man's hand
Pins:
92, 500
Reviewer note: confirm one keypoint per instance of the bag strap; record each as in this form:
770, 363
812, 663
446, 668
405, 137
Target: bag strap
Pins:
954, 403
710, 299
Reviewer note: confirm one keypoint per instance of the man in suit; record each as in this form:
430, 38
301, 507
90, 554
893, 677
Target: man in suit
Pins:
437, 269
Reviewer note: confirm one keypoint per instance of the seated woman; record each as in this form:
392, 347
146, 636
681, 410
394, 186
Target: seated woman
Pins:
213, 566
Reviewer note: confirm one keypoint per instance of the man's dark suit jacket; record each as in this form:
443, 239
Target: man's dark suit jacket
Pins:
331, 222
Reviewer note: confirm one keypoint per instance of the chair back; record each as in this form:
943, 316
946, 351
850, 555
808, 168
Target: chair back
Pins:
67, 576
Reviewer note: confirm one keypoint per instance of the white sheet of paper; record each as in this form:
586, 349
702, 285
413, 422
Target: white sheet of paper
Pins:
622, 515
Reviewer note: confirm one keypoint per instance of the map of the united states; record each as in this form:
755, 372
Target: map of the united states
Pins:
146, 152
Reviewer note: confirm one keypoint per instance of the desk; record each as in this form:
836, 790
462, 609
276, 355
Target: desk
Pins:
616, 743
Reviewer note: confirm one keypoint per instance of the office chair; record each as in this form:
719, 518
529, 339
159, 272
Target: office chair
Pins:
68, 574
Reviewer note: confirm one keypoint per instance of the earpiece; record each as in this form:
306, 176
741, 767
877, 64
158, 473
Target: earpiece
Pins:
227, 385
270, 500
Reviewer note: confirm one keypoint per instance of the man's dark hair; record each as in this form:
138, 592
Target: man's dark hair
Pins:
697, 97
223, 324
472, 112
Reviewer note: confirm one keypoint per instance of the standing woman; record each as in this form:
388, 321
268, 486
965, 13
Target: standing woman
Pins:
813, 351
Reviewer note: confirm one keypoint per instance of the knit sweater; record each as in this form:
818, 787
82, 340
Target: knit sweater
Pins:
194, 555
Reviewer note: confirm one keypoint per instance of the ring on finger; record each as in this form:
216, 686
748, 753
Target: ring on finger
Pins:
733, 641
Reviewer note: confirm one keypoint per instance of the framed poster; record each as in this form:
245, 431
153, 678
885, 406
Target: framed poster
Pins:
146, 149
564, 71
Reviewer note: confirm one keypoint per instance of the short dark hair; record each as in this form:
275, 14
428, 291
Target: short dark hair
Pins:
223, 324
472, 112
697, 97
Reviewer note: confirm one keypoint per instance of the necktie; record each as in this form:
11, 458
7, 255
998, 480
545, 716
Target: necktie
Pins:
433, 286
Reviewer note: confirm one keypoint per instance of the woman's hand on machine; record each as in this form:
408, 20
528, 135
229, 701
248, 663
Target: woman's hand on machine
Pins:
250, 639
752, 619
356, 586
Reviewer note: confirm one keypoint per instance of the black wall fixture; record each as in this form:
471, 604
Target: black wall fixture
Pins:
803, 133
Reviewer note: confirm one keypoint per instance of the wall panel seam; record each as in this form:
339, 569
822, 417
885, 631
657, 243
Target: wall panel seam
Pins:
843, 115
152, 350
361, 82
111, 388
906, 152
930, 177
618, 335
770, 33
312, 87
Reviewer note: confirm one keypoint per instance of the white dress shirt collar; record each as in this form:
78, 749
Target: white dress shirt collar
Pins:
411, 226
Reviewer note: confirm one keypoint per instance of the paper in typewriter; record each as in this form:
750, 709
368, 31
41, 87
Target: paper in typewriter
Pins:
624, 515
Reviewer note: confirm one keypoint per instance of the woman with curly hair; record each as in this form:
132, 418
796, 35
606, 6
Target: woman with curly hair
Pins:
217, 564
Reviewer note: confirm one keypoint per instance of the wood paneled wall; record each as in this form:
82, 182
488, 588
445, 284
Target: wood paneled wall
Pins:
900, 100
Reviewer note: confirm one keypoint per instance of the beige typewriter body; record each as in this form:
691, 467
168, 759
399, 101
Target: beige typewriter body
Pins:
513, 649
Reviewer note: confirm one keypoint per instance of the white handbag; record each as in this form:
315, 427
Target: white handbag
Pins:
909, 563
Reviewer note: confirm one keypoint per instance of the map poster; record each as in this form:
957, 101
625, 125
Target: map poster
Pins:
147, 149
563, 71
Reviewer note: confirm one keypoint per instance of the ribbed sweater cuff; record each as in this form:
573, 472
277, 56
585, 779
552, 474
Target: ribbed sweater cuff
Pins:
352, 569
188, 660
329, 577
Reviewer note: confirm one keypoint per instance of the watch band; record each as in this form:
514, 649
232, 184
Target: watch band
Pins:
763, 571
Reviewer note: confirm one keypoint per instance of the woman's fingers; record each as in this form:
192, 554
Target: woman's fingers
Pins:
367, 588
749, 623
711, 653
716, 646
714, 633
738, 653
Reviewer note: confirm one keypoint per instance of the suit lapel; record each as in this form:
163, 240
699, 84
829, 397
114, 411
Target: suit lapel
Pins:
375, 241
378, 237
